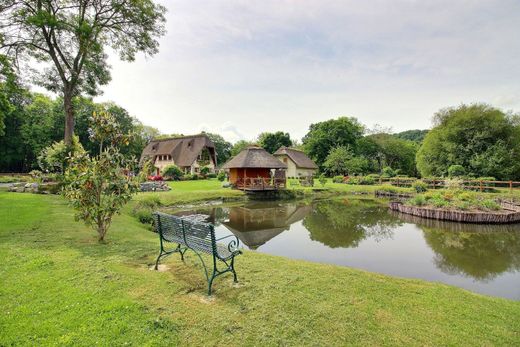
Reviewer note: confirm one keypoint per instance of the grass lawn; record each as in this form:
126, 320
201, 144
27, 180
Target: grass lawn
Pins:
59, 286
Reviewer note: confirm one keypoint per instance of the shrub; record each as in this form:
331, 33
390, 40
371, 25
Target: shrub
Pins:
54, 158
322, 179
420, 186
338, 179
194, 177
489, 204
172, 172
221, 176
204, 170
439, 202
418, 200
211, 175
388, 172
456, 171
388, 188
366, 180
155, 178
98, 187
353, 180
454, 184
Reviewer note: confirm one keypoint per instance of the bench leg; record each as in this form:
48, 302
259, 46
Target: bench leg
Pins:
232, 266
157, 261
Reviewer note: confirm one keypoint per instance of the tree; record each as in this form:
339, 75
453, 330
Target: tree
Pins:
272, 141
482, 139
99, 186
70, 40
239, 146
222, 147
412, 135
324, 136
387, 150
336, 162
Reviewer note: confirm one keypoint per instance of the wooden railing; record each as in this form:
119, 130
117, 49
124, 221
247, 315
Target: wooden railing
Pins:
260, 183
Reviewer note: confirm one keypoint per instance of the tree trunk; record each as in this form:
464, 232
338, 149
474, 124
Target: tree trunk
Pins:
69, 117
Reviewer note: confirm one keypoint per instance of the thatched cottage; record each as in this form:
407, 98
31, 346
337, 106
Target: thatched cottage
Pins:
298, 163
189, 153
255, 169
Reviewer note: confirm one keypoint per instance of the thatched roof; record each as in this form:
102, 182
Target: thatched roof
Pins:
298, 157
184, 149
254, 157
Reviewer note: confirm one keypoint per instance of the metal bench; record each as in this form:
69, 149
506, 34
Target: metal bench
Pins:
200, 238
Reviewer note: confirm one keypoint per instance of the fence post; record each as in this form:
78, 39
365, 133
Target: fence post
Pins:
398, 181
511, 186
481, 188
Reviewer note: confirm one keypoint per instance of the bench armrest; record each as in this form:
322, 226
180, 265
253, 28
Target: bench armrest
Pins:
233, 244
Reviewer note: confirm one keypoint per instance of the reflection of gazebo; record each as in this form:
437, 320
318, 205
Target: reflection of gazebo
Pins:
255, 224
252, 170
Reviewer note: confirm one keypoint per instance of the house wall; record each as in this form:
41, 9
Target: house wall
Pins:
292, 169
161, 161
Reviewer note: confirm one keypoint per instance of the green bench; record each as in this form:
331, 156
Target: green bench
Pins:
200, 238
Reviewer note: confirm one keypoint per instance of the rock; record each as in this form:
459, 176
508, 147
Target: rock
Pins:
226, 185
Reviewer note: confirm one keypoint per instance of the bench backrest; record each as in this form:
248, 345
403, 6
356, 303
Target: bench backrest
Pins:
192, 234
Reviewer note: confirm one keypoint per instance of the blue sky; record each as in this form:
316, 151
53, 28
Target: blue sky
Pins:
242, 67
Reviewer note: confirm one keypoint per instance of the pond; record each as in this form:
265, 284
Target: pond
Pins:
362, 233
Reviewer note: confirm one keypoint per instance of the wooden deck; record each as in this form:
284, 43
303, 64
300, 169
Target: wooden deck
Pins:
260, 184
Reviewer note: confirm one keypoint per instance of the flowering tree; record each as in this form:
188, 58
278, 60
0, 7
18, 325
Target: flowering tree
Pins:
99, 186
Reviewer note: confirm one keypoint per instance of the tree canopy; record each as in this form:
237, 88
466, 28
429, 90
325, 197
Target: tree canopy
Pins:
324, 136
271, 142
222, 147
69, 39
482, 139
412, 135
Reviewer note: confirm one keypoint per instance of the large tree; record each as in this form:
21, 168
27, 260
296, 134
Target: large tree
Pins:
222, 147
483, 139
272, 141
69, 39
324, 136
388, 150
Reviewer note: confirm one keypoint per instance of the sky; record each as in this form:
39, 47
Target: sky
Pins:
239, 68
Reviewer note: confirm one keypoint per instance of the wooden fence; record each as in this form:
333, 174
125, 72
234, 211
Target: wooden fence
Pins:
481, 185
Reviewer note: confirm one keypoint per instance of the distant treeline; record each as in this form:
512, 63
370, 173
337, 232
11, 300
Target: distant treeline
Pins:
468, 141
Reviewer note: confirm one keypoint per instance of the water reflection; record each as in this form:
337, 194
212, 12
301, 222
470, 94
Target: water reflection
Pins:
363, 233
347, 222
256, 223
481, 252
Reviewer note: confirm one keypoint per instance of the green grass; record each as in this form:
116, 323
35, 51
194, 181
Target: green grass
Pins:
14, 178
60, 287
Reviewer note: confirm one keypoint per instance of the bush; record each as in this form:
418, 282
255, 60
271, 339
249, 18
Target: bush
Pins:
54, 158
211, 175
454, 184
456, 171
221, 176
172, 172
155, 178
353, 180
488, 204
439, 202
420, 186
338, 179
366, 180
204, 170
418, 200
388, 188
388, 172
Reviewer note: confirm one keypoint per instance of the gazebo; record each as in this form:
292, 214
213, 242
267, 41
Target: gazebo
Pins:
254, 169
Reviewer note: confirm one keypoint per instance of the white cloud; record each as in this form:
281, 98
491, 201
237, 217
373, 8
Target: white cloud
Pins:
281, 65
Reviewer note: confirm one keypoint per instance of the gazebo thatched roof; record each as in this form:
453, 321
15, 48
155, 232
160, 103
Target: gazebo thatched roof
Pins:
254, 157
